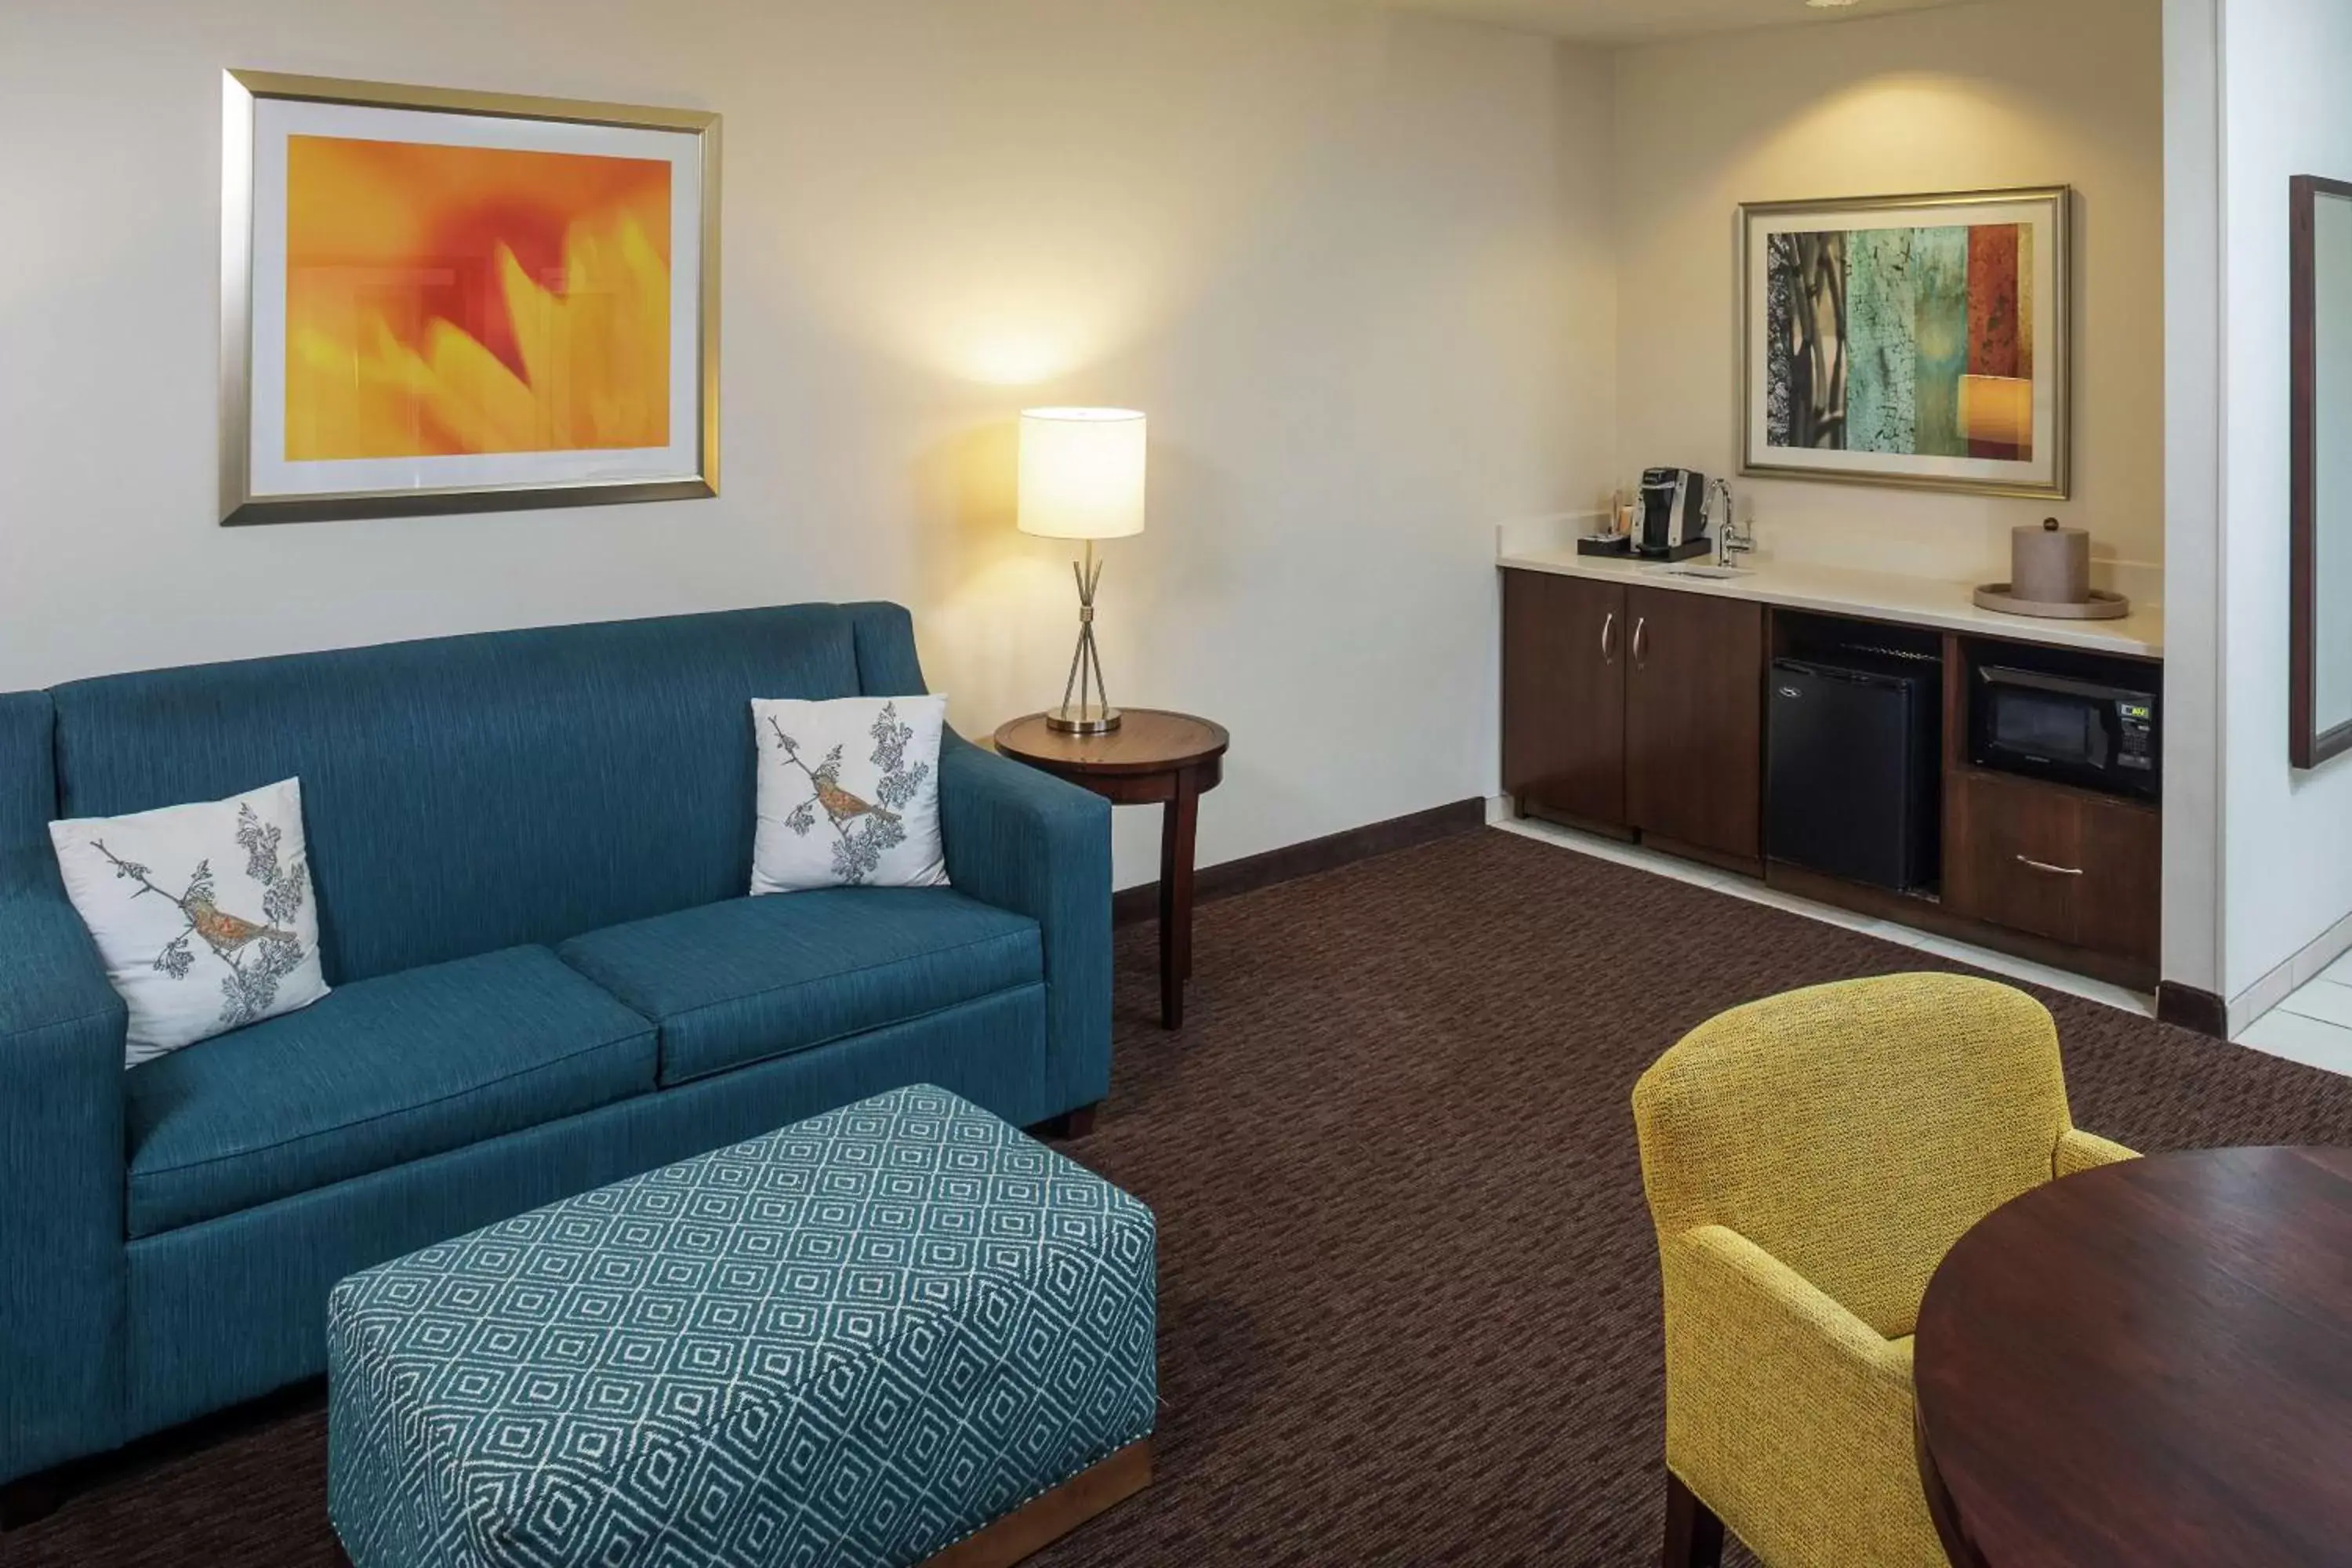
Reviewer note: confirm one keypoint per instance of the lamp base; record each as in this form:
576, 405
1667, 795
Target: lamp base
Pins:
1082, 719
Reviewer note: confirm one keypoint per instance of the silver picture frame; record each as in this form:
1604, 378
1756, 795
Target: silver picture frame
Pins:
1756, 459
241, 92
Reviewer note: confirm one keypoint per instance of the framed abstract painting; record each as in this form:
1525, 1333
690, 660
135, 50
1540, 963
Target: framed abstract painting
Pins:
1919, 340
437, 302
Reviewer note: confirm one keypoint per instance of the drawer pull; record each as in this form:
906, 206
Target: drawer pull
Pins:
2045, 865
1609, 639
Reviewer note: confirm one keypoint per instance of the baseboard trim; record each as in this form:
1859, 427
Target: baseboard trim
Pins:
1292, 861
1568, 819
2192, 1009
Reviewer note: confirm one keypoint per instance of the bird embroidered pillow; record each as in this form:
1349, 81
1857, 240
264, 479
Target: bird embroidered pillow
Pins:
849, 794
203, 914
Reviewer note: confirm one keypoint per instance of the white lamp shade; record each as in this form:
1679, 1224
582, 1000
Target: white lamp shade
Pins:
1082, 472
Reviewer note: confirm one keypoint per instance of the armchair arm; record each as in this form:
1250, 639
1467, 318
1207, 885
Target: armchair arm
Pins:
1024, 841
62, 1268
2081, 1150
1790, 1416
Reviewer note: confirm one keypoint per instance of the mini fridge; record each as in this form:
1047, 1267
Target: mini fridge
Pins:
1854, 785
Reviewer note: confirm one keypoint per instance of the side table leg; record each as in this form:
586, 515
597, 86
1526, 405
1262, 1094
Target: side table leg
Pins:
1177, 831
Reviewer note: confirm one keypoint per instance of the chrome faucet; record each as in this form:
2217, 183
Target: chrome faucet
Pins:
1730, 539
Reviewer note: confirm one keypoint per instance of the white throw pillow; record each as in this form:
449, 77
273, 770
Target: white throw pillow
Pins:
203, 913
849, 794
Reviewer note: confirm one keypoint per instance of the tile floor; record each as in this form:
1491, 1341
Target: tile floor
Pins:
1756, 892
2313, 1026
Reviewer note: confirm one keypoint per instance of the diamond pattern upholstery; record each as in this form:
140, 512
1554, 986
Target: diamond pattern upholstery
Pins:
855, 1341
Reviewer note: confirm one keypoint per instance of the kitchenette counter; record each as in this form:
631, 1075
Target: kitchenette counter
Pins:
1642, 700
1836, 590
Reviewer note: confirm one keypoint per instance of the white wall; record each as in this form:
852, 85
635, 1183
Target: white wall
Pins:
2287, 837
1355, 267
2021, 92
2193, 688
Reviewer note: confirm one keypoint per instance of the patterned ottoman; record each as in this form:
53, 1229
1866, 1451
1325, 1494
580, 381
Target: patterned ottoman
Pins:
899, 1332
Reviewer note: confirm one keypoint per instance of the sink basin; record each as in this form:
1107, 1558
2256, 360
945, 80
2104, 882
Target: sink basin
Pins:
1688, 569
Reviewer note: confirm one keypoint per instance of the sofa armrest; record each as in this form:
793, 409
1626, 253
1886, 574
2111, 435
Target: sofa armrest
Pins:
1790, 1416
1026, 841
2081, 1150
62, 1268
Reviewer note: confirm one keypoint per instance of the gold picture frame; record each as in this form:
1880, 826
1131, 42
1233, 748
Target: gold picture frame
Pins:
258, 484
2039, 405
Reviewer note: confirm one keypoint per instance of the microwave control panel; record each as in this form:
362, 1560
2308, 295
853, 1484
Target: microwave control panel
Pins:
2136, 745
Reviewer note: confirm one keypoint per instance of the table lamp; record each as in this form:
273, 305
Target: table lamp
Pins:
1082, 477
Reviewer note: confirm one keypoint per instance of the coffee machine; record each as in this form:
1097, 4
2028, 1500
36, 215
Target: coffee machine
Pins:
1674, 516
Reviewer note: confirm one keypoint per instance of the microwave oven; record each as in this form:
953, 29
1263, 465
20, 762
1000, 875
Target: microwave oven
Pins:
2099, 734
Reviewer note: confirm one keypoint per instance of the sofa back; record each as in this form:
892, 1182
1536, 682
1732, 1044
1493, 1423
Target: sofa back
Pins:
28, 790
465, 793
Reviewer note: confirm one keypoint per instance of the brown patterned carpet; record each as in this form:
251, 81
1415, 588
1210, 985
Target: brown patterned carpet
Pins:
1409, 1296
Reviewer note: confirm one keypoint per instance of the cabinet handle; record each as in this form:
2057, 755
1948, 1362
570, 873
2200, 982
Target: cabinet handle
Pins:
1609, 637
2045, 865
1641, 641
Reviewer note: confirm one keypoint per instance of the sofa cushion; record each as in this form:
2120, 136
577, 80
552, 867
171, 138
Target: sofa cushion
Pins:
380, 1072
747, 979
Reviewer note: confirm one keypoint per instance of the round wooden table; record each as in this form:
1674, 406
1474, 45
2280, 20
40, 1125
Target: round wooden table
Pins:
1152, 757
2148, 1363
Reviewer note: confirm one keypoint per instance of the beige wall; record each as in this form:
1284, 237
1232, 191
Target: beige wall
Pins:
1356, 269
2019, 92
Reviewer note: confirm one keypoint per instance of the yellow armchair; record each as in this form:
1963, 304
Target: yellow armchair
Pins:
1809, 1160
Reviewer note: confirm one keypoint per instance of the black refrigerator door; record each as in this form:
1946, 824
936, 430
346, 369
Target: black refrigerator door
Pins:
1839, 789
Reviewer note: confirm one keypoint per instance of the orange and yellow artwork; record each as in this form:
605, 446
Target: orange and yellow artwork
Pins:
452, 299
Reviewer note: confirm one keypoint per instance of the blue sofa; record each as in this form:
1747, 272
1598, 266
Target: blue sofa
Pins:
529, 851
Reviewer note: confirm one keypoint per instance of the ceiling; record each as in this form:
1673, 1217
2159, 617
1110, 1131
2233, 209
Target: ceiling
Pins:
1640, 21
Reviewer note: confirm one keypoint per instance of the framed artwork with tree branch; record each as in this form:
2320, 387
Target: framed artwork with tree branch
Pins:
1915, 340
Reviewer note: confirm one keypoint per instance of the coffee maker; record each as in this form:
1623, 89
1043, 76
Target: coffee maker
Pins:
1675, 515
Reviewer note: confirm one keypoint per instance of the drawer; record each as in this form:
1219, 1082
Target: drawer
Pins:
2058, 863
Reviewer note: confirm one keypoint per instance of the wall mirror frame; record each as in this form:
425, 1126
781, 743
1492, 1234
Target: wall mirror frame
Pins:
2319, 679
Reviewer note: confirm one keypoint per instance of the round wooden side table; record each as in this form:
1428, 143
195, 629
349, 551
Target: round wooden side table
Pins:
1152, 756
2148, 1363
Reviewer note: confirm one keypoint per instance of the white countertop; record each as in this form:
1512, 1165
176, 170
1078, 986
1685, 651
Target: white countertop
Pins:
1837, 590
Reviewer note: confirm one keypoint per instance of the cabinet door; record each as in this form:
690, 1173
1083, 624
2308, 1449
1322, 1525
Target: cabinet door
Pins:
1695, 719
1564, 643
2017, 856
2076, 867
2119, 907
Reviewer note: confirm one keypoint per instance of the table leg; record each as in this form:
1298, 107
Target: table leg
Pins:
1178, 829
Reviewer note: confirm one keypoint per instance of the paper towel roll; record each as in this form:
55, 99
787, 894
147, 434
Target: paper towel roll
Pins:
2050, 564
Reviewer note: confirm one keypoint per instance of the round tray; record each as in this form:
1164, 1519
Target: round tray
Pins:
2101, 605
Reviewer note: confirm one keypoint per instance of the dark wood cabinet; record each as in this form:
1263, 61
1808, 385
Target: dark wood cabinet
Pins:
1636, 708
1639, 710
2122, 912
1564, 694
2079, 869
2014, 855
1695, 721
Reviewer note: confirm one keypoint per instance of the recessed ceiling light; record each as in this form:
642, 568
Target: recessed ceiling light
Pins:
1831, 4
